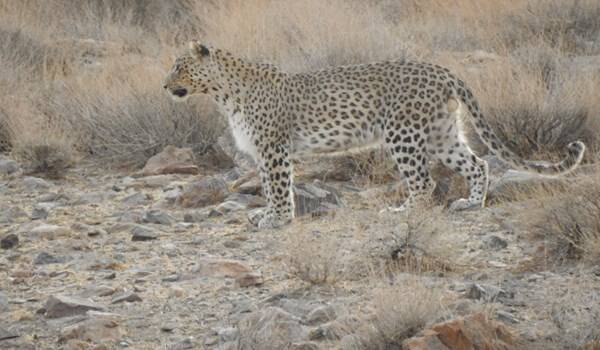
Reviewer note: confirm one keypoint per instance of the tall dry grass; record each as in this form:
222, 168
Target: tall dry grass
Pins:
87, 74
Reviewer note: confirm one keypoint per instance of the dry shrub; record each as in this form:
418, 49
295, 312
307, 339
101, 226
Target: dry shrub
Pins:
40, 146
314, 257
570, 221
537, 103
400, 310
574, 313
127, 117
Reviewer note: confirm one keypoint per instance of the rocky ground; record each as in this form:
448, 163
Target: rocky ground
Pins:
166, 259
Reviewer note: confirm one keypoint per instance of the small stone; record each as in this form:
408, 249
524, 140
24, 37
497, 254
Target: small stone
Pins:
228, 207
136, 198
228, 334
62, 306
44, 258
98, 328
195, 216
10, 214
9, 241
176, 291
35, 183
506, 317
305, 345
168, 327
203, 192
143, 233
322, 314
128, 296
221, 268
171, 160
8, 166
155, 216
495, 243
187, 343
49, 231
4, 304
315, 197
171, 278
249, 279
7, 334
92, 198
39, 212
487, 292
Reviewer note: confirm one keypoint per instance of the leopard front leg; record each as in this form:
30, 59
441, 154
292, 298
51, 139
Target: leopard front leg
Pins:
276, 177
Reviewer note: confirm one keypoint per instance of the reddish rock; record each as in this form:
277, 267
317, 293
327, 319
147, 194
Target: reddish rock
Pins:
206, 191
222, 268
171, 160
250, 279
470, 333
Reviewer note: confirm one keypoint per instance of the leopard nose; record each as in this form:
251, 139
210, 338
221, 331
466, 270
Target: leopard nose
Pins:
180, 92
165, 86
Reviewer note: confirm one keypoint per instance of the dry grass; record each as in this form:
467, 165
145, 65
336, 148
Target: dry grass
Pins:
92, 69
569, 221
314, 257
400, 310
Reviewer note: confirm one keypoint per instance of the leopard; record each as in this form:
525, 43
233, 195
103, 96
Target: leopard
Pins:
415, 110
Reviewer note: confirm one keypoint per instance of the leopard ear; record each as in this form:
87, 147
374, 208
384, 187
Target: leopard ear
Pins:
198, 50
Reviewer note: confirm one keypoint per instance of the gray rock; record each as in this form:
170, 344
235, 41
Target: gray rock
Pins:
249, 201
187, 343
44, 258
4, 307
128, 296
322, 314
156, 216
228, 334
229, 207
249, 279
39, 212
35, 184
6, 334
171, 278
168, 327
9, 241
62, 306
136, 198
172, 195
48, 231
143, 233
495, 243
93, 198
315, 197
270, 328
506, 317
10, 214
305, 345
8, 166
487, 292
206, 191
196, 216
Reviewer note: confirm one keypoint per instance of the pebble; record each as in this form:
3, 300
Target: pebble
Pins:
44, 258
61, 305
155, 216
9, 241
495, 243
39, 212
143, 233
128, 296
249, 279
